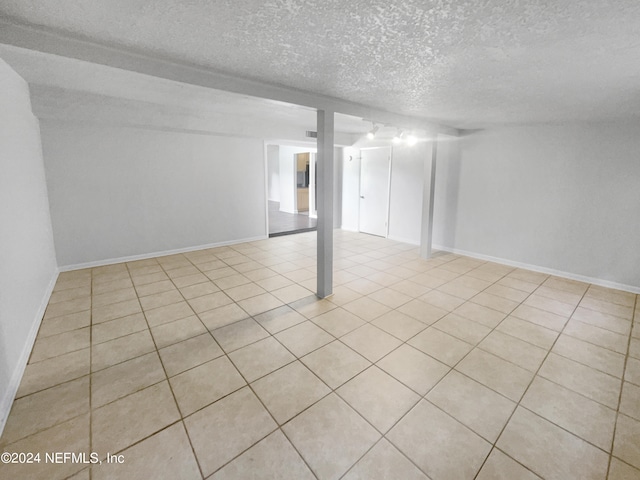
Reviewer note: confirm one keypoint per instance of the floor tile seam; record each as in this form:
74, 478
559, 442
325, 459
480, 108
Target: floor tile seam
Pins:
630, 320
624, 372
49, 427
588, 366
60, 354
46, 319
166, 378
522, 396
587, 341
52, 386
566, 429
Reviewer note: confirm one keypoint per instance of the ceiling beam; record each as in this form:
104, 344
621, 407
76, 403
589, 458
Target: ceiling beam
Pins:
38, 39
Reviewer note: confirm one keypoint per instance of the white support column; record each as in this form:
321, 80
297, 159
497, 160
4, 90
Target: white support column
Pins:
324, 188
429, 178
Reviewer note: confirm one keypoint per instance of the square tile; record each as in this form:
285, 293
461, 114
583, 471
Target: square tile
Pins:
498, 374
484, 315
384, 461
626, 445
439, 345
598, 386
222, 316
60, 344
154, 288
303, 338
331, 437
274, 457
550, 451
69, 436
167, 314
291, 293
371, 342
105, 331
390, 297
188, 354
338, 322
239, 334
226, 428
45, 374
439, 445
422, 311
583, 417
413, 368
279, 319
115, 310
65, 323
462, 328
399, 325
115, 351
290, 390
471, 403
161, 299
529, 332
540, 317
630, 400
591, 355
514, 350
603, 320
198, 289
177, 331
494, 302
260, 303
632, 371
442, 300
622, 471
167, 454
260, 358
119, 424
205, 384
366, 308
128, 377
42, 410
378, 397
209, 302
597, 336
501, 467
335, 363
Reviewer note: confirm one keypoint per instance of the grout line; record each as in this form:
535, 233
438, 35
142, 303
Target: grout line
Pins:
624, 371
525, 393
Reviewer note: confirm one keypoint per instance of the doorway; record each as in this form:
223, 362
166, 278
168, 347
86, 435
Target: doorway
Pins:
290, 190
375, 172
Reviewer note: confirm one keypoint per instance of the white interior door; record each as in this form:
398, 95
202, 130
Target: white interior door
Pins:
374, 190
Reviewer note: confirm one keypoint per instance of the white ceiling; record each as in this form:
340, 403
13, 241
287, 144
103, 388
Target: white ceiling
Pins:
465, 63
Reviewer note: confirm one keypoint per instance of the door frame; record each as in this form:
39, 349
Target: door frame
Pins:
387, 213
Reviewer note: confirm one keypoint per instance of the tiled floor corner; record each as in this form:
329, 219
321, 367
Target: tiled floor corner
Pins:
222, 364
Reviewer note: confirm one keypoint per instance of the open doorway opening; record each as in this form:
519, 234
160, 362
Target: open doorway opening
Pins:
291, 191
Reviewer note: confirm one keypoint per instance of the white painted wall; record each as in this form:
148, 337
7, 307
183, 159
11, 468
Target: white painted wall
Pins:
28, 267
405, 197
273, 173
560, 197
120, 191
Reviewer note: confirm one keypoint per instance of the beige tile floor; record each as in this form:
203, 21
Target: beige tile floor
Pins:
222, 364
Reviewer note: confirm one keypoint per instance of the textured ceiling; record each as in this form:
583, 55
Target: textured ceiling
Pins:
467, 63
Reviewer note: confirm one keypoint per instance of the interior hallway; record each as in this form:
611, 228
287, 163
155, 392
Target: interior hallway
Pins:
222, 364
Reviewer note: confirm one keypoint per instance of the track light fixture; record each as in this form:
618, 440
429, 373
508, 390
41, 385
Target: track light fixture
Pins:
399, 136
372, 133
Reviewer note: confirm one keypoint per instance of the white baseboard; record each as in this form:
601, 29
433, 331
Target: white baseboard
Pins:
12, 389
409, 241
144, 256
536, 268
